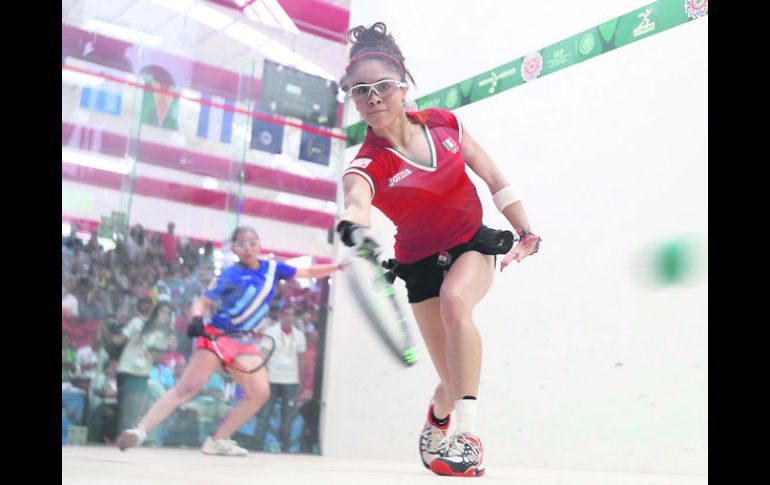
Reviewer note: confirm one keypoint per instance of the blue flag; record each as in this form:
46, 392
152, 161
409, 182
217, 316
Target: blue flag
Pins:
104, 100
216, 122
314, 147
266, 136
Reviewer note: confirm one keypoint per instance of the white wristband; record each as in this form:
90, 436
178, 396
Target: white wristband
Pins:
505, 197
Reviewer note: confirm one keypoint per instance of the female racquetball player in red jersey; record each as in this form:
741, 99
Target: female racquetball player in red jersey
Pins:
412, 167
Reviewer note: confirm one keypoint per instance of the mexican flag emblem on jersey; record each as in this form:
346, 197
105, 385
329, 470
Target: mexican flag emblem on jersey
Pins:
450, 145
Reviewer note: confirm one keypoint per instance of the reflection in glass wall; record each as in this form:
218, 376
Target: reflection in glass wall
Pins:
181, 120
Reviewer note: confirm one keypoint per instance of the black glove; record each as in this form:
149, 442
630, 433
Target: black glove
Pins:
345, 230
195, 329
352, 234
392, 266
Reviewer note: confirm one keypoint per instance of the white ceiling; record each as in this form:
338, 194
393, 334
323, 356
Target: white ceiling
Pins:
186, 37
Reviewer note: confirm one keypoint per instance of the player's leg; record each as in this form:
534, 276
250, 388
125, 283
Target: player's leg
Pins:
202, 364
465, 284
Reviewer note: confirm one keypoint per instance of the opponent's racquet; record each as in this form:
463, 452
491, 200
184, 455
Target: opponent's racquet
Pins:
251, 349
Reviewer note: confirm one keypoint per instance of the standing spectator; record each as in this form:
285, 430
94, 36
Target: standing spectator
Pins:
136, 244
155, 251
286, 372
170, 245
307, 322
306, 392
136, 361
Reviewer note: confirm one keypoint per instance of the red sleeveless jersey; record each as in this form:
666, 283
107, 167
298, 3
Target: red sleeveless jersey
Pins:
434, 207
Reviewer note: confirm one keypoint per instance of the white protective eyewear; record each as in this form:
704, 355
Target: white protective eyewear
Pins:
382, 88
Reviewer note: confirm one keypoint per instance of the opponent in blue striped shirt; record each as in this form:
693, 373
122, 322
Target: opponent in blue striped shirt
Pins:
237, 300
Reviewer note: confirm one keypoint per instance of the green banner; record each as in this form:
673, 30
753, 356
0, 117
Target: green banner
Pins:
589, 44
655, 18
559, 55
636, 25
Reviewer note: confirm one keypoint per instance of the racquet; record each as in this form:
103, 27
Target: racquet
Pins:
377, 297
247, 351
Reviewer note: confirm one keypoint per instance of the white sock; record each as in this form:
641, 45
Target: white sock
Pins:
465, 412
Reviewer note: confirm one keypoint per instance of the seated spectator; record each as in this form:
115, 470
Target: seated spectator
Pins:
172, 355
69, 361
71, 242
96, 307
69, 304
103, 414
93, 246
88, 360
161, 379
160, 373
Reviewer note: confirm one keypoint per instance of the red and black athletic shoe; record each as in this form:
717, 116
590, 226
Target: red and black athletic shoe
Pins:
431, 439
462, 456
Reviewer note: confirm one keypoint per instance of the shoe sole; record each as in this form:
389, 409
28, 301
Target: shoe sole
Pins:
214, 453
221, 454
124, 443
441, 468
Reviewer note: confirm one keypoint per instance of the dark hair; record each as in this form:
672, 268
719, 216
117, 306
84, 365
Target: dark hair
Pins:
138, 231
241, 229
152, 320
374, 38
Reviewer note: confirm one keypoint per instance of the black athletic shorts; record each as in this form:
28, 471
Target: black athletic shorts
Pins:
423, 278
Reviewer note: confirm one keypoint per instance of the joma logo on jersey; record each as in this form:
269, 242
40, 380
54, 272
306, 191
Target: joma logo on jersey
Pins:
450, 145
398, 177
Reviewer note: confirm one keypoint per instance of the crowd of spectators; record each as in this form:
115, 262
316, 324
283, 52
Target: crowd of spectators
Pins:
121, 350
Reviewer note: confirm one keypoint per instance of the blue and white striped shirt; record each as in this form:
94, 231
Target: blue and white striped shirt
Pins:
244, 294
